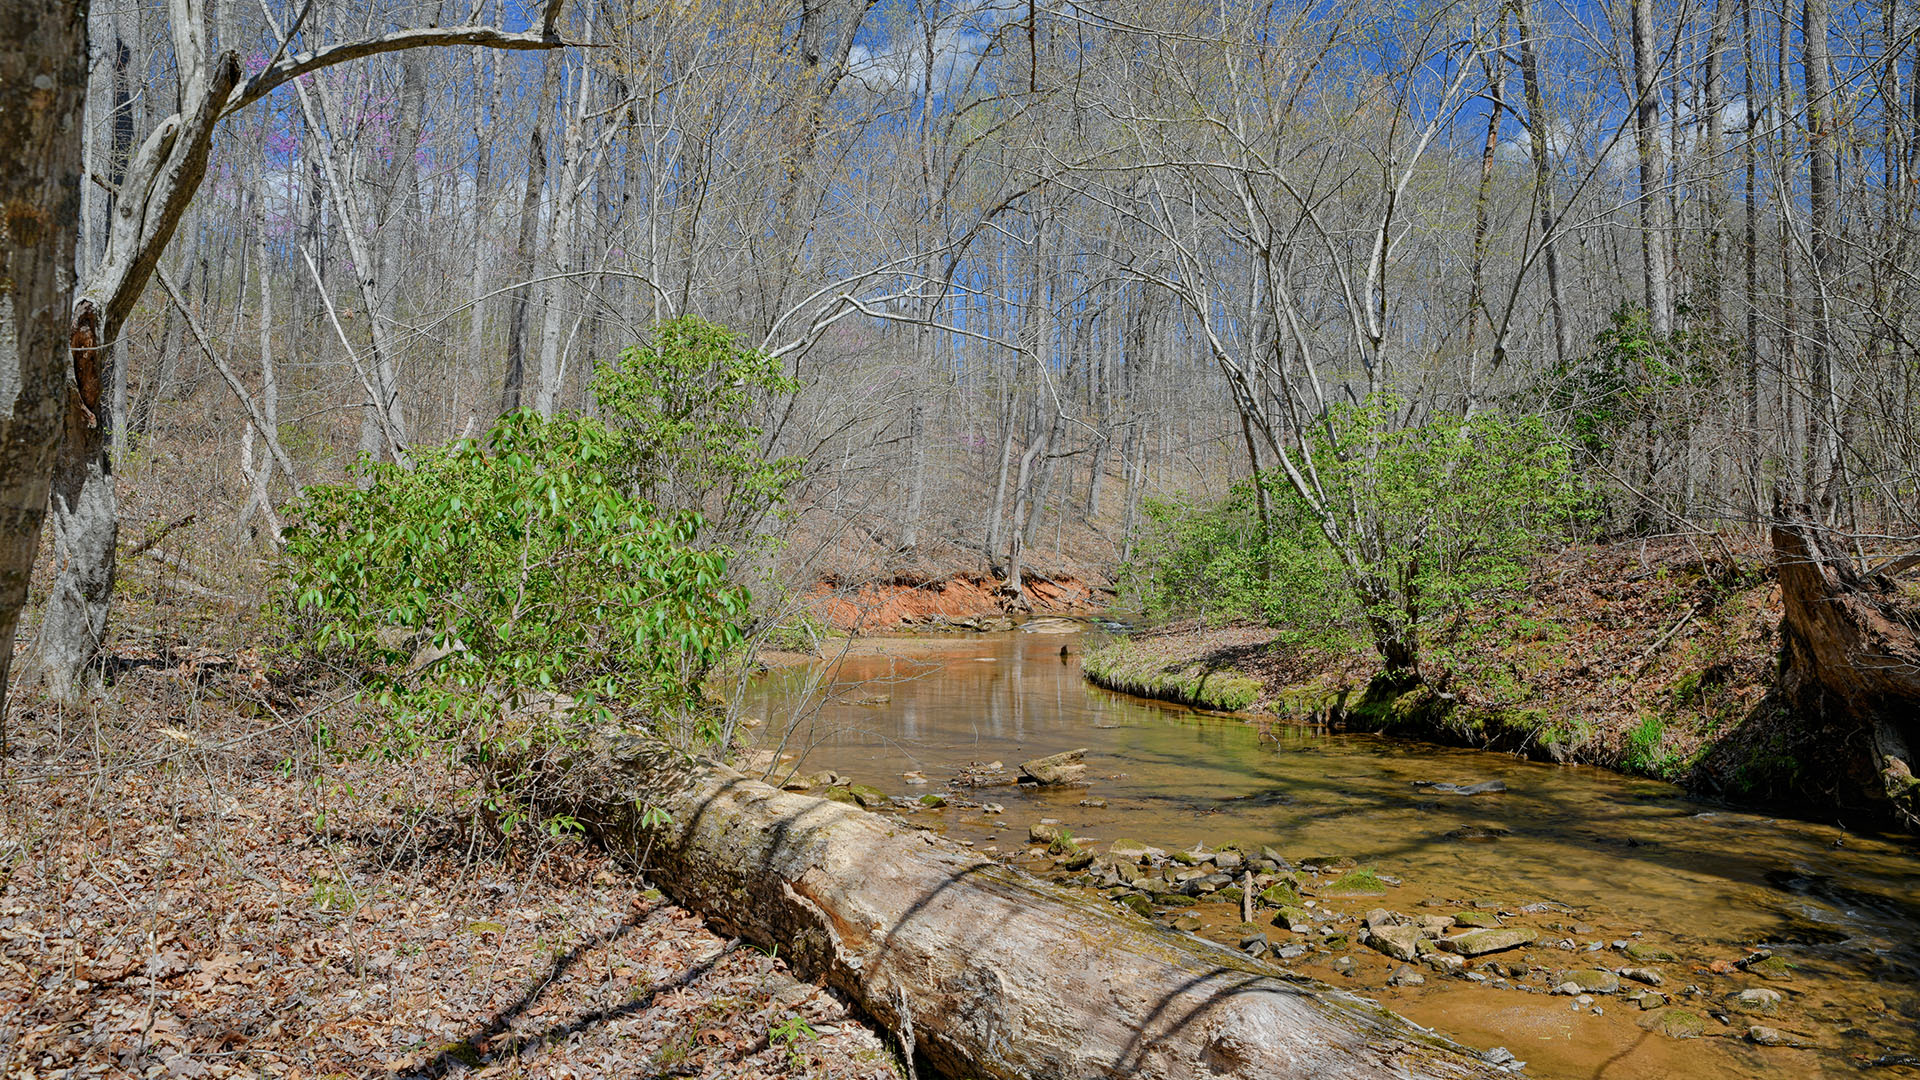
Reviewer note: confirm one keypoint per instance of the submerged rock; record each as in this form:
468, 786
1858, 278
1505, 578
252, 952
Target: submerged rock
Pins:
1477, 920
1649, 954
1677, 1023
1485, 787
1642, 975
1482, 942
1758, 1000
1062, 768
1592, 980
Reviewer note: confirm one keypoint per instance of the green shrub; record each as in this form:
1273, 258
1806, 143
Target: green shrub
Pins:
500, 593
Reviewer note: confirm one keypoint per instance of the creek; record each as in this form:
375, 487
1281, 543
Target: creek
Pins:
1593, 861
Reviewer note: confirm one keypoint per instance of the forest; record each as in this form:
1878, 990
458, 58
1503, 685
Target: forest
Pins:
468, 469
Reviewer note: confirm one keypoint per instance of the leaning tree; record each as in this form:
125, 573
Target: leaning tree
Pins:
150, 199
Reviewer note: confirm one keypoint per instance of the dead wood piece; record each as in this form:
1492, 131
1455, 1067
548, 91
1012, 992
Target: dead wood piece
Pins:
1006, 976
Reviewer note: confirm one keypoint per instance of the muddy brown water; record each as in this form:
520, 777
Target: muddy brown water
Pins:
1582, 855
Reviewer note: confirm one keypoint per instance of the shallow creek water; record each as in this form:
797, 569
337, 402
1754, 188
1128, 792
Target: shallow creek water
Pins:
1581, 855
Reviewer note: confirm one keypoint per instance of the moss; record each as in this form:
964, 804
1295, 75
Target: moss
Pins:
1118, 666
1280, 894
1362, 882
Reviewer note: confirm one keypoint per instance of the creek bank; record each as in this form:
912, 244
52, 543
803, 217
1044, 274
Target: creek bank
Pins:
960, 602
1649, 659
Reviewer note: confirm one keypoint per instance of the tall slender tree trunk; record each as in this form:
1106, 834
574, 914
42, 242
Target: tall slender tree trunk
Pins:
1823, 182
1542, 153
526, 248
1652, 204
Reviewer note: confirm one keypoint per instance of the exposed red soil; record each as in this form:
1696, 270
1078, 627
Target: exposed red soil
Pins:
877, 607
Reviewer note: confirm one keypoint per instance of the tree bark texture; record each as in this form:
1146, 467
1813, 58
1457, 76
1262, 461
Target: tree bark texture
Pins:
43, 84
996, 973
1851, 654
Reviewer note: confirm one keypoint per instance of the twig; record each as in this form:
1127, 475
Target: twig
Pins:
1645, 659
160, 534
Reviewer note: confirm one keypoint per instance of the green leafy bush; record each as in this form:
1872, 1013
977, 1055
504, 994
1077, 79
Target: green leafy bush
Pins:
501, 593
1420, 522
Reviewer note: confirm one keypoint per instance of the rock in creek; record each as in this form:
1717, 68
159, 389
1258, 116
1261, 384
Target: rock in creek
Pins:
1649, 954
1045, 831
1591, 981
1642, 975
1125, 850
1406, 976
1758, 1000
1485, 787
1398, 942
1481, 942
1065, 767
1477, 920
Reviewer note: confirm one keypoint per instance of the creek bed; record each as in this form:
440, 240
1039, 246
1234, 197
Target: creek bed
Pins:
1589, 860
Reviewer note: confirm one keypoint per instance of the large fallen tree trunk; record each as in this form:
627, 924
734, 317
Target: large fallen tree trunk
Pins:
1851, 654
986, 970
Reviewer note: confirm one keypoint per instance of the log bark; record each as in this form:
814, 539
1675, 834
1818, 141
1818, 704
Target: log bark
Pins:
1851, 655
995, 972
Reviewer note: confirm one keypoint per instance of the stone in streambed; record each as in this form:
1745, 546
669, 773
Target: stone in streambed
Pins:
1649, 954
1477, 920
1642, 975
1054, 769
1758, 1001
1592, 981
1406, 976
1294, 918
932, 801
1079, 860
867, 797
1482, 942
1398, 942
1129, 850
1187, 922
1676, 1023
1045, 831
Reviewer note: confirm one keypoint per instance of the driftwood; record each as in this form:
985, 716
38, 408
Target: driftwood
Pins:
1851, 654
994, 972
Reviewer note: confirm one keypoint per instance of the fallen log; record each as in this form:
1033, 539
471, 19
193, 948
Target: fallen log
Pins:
1851, 655
985, 970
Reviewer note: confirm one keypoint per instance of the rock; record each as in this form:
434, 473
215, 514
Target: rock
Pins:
1399, 942
1380, 917
1768, 967
841, 795
1406, 976
1094, 802
1648, 1000
869, 798
1139, 903
1592, 980
1567, 989
1045, 831
1062, 768
1292, 952
1187, 922
1328, 862
1279, 861
1482, 942
1477, 920
1255, 944
1444, 963
1129, 850
1079, 860
1345, 965
1294, 918
1194, 857
1485, 787
1761, 1035
1279, 894
1229, 895
1500, 1055
932, 801
1677, 1023
1128, 872
1228, 860
1434, 925
1642, 975
1649, 954
1758, 1000
1209, 883
1478, 833
1172, 899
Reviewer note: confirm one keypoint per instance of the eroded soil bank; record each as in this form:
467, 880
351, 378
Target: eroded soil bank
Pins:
957, 601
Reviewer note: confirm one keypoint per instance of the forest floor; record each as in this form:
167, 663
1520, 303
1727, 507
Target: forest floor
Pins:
1650, 657
187, 888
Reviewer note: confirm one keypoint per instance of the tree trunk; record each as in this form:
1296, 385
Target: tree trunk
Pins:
43, 85
1850, 654
1653, 173
994, 973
